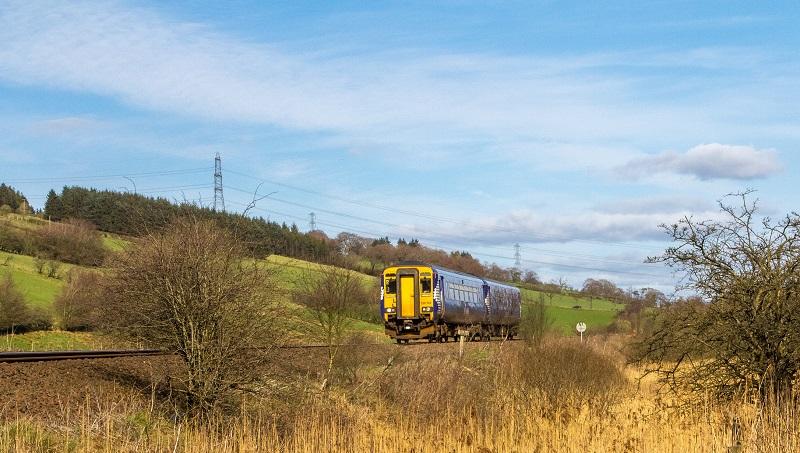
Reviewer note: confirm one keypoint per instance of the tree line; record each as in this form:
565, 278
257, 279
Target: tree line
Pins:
136, 215
13, 200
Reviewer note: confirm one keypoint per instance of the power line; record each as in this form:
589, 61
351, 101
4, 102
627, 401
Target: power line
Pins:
427, 216
109, 176
429, 238
146, 190
488, 255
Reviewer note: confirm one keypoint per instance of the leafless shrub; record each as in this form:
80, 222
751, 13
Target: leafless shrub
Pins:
80, 301
188, 289
15, 315
13, 310
535, 323
331, 293
352, 357
745, 336
72, 241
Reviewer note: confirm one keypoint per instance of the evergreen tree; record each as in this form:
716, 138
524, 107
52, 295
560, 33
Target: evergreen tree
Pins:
52, 207
11, 197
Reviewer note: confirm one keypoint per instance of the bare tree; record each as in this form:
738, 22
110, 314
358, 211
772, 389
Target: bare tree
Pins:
78, 304
14, 313
744, 334
189, 289
332, 294
535, 322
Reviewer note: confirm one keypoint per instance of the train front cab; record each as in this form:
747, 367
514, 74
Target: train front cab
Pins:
407, 303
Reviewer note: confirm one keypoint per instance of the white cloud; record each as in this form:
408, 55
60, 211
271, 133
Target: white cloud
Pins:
662, 204
708, 162
532, 227
65, 125
408, 100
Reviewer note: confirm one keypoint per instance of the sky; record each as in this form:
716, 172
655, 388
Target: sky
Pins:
571, 128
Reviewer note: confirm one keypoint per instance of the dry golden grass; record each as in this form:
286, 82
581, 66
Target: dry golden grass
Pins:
433, 402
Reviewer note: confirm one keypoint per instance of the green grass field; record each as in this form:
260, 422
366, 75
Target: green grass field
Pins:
38, 289
52, 340
596, 313
112, 242
565, 319
292, 270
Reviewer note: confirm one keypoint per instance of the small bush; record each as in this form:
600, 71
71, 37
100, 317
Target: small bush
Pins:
15, 241
350, 358
72, 241
77, 307
566, 371
52, 269
535, 324
15, 315
39, 265
621, 326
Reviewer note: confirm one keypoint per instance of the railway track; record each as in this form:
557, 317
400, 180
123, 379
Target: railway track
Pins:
46, 356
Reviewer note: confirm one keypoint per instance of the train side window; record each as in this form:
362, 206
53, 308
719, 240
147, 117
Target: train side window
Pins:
391, 285
425, 283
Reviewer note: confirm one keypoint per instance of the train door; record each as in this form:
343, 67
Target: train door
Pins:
487, 302
408, 297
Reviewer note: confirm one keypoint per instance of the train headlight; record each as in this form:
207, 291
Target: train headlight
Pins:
389, 310
427, 309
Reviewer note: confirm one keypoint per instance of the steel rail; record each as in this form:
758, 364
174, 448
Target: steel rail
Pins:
44, 356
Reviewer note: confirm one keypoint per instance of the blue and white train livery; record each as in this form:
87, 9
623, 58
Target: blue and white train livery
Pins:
420, 301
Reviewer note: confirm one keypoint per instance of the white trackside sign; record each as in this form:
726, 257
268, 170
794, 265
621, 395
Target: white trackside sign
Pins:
581, 328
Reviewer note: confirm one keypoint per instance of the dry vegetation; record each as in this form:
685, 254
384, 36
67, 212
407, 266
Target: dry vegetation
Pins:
497, 397
190, 290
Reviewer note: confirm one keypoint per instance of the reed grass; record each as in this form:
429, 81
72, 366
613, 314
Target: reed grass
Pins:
480, 402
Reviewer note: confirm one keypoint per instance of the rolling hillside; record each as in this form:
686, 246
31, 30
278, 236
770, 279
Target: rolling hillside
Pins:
40, 291
565, 310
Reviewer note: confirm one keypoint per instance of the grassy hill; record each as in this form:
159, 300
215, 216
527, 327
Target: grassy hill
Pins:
565, 310
40, 291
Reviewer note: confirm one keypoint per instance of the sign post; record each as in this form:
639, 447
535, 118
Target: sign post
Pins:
581, 328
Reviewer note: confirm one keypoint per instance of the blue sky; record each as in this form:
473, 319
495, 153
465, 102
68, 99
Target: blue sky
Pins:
571, 128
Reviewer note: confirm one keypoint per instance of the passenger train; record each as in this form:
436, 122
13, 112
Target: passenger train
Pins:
420, 301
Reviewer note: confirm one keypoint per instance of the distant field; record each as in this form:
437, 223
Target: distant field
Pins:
52, 340
292, 270
569, 301
112, 242
39, 290
565, 319
597, 313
